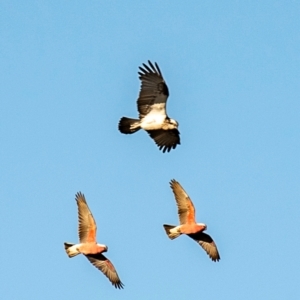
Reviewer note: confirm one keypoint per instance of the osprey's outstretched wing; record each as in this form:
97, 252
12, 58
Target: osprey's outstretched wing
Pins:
154, 91
165, 139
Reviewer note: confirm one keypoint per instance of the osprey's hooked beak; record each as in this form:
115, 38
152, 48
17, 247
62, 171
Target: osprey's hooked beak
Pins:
173, 122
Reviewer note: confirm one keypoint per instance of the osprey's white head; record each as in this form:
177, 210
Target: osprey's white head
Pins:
173, 124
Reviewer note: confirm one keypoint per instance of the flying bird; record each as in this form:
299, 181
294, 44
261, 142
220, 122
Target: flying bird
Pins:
188, 225
88, 245
151, 106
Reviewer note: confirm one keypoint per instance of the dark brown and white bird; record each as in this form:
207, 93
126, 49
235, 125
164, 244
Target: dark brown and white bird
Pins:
188, 225
88, 245
151, 106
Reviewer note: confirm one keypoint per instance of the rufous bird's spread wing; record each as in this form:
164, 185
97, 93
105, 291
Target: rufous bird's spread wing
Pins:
186, 209
87, 226
106, 267
165, 139
153, 89
207, 243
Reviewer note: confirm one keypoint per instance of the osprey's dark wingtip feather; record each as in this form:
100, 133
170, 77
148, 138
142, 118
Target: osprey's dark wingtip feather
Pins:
153, 69
158, 69
165, 139
148, 69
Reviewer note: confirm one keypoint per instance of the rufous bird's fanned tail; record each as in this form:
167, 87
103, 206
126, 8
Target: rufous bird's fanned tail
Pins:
171, 231
71, 250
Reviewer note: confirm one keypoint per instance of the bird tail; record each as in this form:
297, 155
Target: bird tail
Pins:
171, 231
71, 249
127, 125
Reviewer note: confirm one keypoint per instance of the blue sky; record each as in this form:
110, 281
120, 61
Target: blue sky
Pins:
68, 73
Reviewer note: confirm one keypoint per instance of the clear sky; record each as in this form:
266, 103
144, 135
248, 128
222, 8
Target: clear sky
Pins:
68, 72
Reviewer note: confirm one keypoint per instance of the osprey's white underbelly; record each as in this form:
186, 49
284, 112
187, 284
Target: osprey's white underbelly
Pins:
155, 118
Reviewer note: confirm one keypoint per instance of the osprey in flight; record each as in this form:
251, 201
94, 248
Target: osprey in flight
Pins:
88, 245
151, 105
188, 225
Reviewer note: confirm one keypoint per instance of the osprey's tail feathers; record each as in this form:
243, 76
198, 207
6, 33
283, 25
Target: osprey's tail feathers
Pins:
172, 231
71, 249
127, 125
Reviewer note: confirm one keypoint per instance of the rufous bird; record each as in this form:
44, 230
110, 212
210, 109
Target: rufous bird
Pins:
88, 245
188, 225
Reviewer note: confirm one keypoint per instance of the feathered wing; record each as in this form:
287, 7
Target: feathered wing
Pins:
107, 268
165, 139
207, 243
154, 90
87, 226
186, 209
